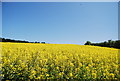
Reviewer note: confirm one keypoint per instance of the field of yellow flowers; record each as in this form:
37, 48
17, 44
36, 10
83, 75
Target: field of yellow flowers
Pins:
58, 61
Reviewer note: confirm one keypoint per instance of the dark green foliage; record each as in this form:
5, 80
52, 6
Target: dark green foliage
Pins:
88, 43
12, 40
17, 41
109, 43
43, 42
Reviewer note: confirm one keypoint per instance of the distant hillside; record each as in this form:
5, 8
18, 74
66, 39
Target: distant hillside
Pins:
109, 43
17, 41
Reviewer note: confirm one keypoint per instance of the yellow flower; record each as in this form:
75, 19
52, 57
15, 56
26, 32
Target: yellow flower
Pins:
71, 64
112, 75
94, 75
61, 73
33, 72
61, 60
57, 67
87, 68
80, 64
71, 74
47, 75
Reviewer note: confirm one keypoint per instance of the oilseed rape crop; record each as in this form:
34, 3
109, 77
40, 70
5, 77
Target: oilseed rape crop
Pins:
58, 61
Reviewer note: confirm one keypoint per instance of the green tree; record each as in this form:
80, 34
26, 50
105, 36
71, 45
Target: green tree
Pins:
88, 43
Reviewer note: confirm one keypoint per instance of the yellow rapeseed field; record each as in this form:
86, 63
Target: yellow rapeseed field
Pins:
58, 61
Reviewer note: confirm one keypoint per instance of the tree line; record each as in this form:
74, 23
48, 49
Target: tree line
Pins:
17, 41
109, 43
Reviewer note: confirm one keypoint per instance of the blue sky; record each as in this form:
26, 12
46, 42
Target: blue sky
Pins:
60, 22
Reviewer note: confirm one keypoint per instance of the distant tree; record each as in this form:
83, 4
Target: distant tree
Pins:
117, 44
17, 41
88, 43
109, 43
105, 44
42, 42
0, 39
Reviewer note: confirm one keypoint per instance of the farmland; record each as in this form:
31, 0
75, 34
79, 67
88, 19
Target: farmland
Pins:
58, 61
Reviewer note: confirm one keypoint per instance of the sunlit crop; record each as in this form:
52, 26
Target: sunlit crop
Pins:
58, 61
